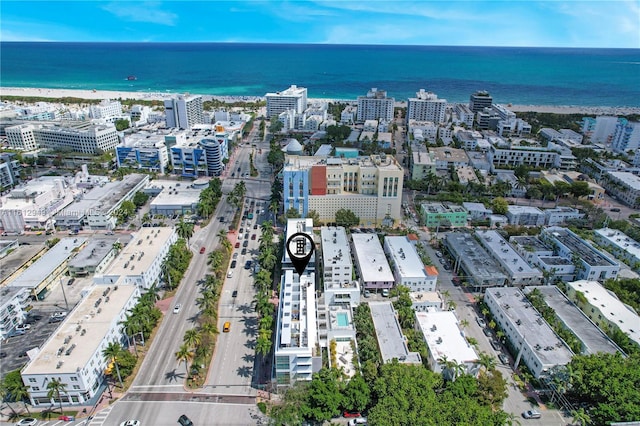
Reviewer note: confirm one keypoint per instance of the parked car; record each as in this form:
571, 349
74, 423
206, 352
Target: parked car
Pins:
531, 414
503, 359
235, 255
358, 421
486, 332
253, 237
237, 244
185, 421
71, 281
495, 345
244, 251
482, 323
351, 414
367, 293
27, 421
23, 327
385, 292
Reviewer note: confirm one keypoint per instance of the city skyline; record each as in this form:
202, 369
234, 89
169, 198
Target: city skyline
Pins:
603, 24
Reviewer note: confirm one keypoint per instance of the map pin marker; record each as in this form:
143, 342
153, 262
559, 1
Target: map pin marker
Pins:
300, 248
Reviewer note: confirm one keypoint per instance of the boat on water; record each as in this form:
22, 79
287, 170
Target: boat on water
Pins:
132, 78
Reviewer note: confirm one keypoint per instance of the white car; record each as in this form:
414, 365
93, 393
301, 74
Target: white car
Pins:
131, 423
28, 421
176, 309
481, 322
385, 292
23, 327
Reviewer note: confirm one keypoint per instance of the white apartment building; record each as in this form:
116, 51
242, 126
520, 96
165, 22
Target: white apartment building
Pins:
423, 163
140, 262
340, 287
517, 270
445, 340
349, 114
375, 106
423, 131
106, 110
371, 187
525, 215
293, 98
391, 341
538, 157
533, 340
604, 308
620, 245
93, 258
294, 226
626, 137
73, 354
143, 151
462, 114
34, 204
372, 265
625, 186
13, 308
591, 264
184, 111
560, 215
296, 357
75, 136
427, 107
408, 269
139, 115
540, 255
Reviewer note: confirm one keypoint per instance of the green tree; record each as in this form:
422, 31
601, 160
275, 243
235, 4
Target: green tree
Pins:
14, 390
184, 229
314, 216
486, 361
140, 199
54, 388
192, 337
357, 394
324, 399
292, 213
122, 124
579, 189
185, 354
112, 352
499, 206
346, 218
580, 417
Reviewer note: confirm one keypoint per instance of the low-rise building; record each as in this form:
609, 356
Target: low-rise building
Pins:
340, 287
477, 211
473, 262
391, 341
445, 215
540, 255
143, 151
423, 163
14, 303
93, 258
591, 264
625, 186
373, 268
445, 341
408, 269
140, 262
74, 355
517, 270
560, 215
604, 308
171, 197
592, 339
620, 245
532, 339
525, 216
295, 353
422, 301
294, 226
447, 157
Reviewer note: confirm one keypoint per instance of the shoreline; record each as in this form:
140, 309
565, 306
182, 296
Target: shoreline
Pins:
158, 96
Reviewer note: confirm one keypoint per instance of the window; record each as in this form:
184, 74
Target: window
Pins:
32, 380
74, 379
76, 387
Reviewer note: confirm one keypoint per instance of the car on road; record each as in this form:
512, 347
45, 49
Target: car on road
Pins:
503, 359
202, 250
233, 264
532, 414
226, 327
185, 421
235, 293
66, 418
253, 237
615, 209
245, 244
71, 281
255, 226
3, 354
130, 423
177, 308
27, 421
230, 274
349, 414
481, 322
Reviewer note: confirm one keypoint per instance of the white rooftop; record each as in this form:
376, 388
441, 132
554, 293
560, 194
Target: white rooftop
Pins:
405, 257
503, 250
137, 256
335, 247
297, 311
620, 240
48, 263
82, 332
524, 210
444, 337
611, 307
373, 263
294, 226
391, 341
628, 178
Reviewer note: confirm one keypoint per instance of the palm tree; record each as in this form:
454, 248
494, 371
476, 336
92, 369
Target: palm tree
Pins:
192, 337
486, 361
215, 260
117, 246
580, 417
20, 393
4, 393
222, 235
55, 387
184, 354
112, 352
205, 209
267, 259
209, 328
512, 420
206, 302
464, 323
185, 230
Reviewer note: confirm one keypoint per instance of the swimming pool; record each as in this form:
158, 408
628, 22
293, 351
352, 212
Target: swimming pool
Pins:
343, 319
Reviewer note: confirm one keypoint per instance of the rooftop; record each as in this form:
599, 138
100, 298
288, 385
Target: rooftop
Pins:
444, 338
440, 208
103, 198
389, 334
527, 322
610, 306
531, 243
474, 256
449, 154
176, 196
511, 260
45, 266
579, 247
593, 339
297, 314
628, 179
92, 254
620, 240
78, 338
405, 257
299, 225
372, 261
335, 247
137, 256
516, 210
476, 207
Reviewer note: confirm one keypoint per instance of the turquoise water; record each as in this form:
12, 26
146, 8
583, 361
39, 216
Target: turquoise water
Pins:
549, 76
343, 319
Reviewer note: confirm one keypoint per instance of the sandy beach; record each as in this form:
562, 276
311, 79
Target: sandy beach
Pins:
149, 96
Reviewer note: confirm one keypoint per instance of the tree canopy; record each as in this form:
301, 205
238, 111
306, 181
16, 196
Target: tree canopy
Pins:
346, 218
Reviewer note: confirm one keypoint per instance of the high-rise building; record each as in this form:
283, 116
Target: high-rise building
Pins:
216, 149
480, 100
426, 107
626, 136
184, 111
375, 106
293, 98
371, 187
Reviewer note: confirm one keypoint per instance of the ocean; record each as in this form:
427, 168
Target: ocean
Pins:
524, 76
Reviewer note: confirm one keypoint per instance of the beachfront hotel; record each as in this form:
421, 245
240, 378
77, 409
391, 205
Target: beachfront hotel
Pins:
75, 136
294, 98
375, 106
426, 107
371, 187
184, 111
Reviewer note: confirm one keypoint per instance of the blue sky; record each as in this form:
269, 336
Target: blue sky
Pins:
605, 23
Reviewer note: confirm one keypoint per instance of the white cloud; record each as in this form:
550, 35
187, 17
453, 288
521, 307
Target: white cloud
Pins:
141, 12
